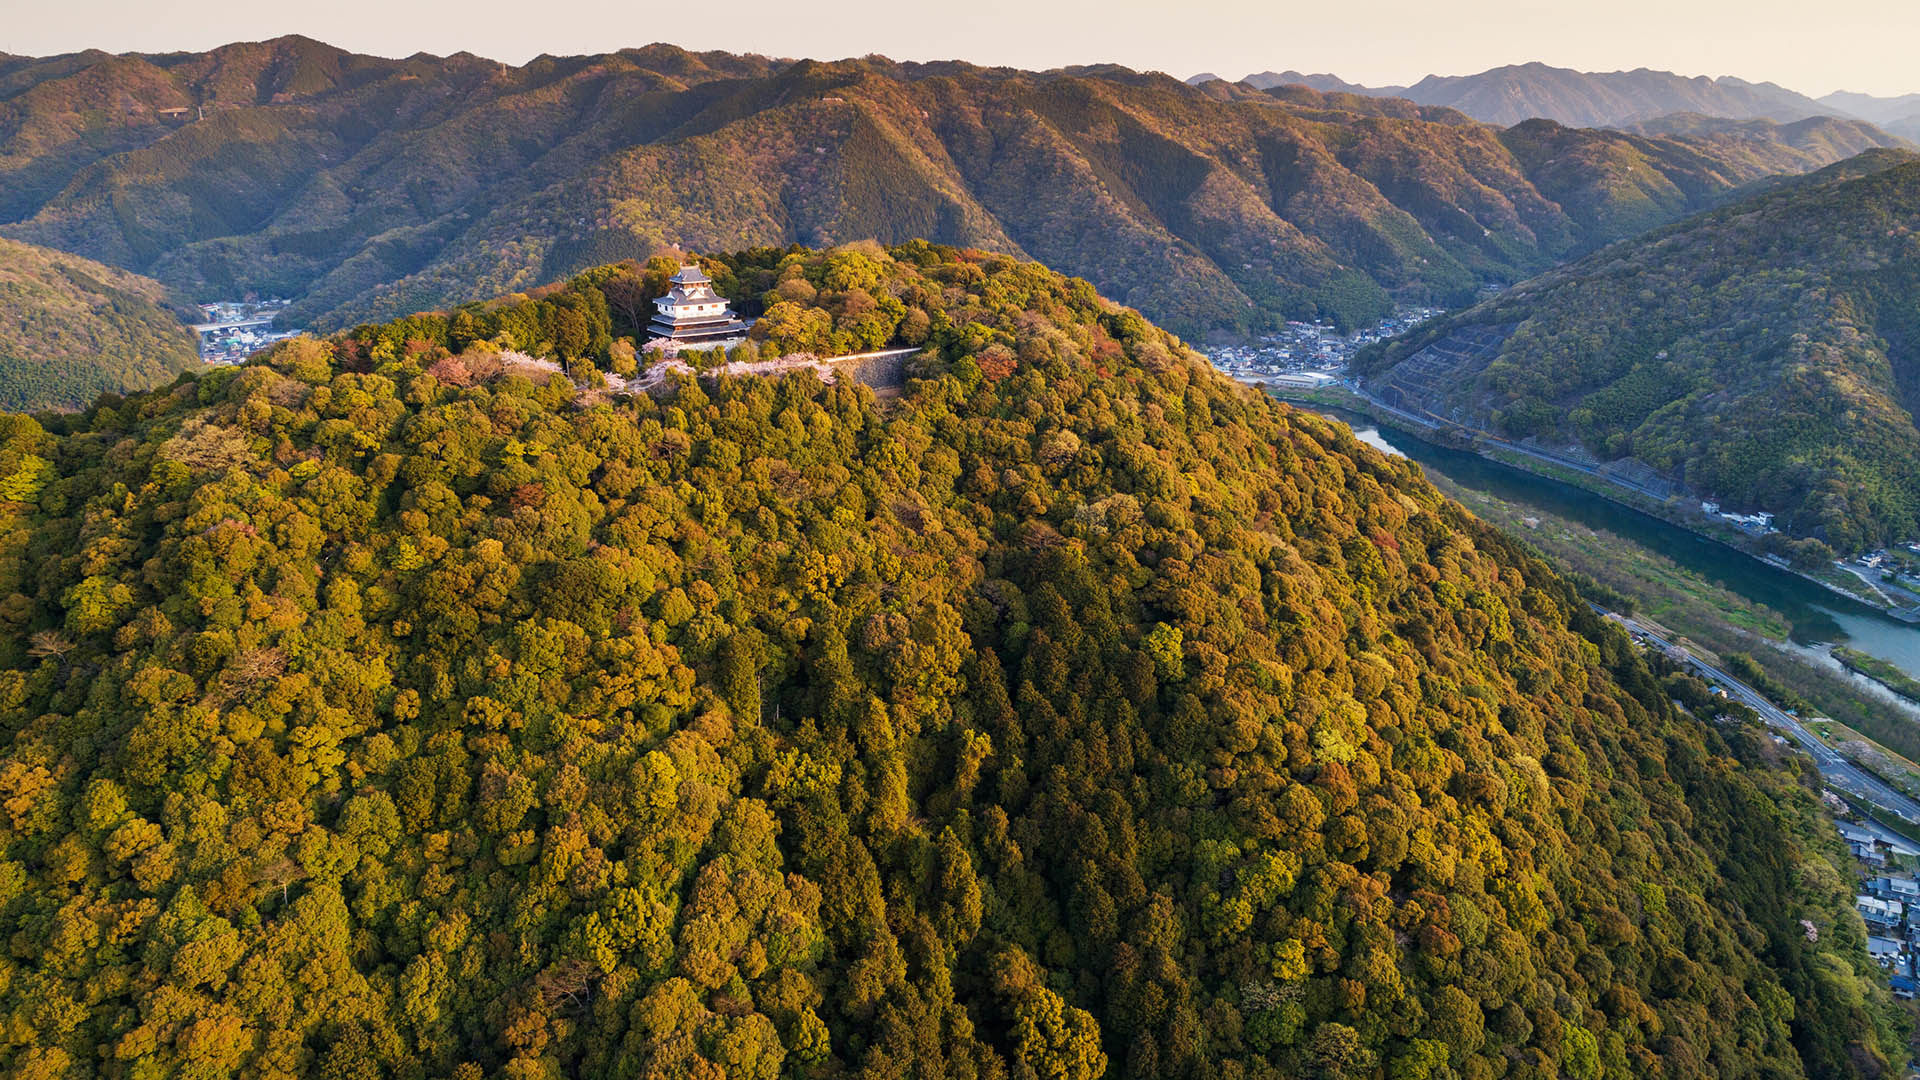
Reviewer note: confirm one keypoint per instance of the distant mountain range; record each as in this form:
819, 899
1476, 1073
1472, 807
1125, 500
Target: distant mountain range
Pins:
1511, 94
1898, 115
1326, 84
367, 187
1766, 354
72, 329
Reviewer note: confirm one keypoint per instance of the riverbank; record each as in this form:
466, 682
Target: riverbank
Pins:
1716, 598
1707, 596
1594, 481
1879, 671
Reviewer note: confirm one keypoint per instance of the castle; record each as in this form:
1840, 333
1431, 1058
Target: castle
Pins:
692, 313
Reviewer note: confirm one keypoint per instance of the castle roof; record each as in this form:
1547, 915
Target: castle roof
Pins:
690, 275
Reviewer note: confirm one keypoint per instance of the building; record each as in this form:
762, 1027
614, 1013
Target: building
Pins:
1878, 912
1864, 844
1904, 889
1884, 951
1304, 380
692, 313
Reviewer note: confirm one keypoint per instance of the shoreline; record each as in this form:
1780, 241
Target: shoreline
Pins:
1549, 467
1871, 667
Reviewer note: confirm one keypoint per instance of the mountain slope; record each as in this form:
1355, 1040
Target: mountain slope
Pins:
1508, 95
378, 711
1326, 84
368, 188
1766, 353
1827, 137
73, 329
1898, 115
1519, 92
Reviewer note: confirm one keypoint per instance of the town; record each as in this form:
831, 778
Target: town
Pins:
1306, 355
233, 330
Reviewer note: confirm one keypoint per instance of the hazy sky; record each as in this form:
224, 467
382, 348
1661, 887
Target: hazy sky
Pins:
1864, 45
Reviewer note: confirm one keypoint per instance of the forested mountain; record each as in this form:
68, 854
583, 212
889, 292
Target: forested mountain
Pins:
1767, 353
1267, 80
1828, 138
371, 188
1508, 95
71, 329
1518, 92
392, 707
1898, 115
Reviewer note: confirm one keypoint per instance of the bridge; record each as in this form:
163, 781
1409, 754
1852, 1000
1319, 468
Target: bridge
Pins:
254, 323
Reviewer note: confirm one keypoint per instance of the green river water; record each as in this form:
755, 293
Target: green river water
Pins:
1816, 615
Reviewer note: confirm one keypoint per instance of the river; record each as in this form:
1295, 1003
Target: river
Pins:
1815, 615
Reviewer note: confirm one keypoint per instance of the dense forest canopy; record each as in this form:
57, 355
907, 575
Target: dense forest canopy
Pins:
368, 188
1766, 354
72, 329
392, 707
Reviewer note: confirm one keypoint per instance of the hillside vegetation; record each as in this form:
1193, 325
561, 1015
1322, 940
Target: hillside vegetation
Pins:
1518, 92
72, 329
389, 707
370, 188
1767, 354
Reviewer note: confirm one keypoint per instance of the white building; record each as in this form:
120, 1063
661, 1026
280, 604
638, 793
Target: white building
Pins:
692, 313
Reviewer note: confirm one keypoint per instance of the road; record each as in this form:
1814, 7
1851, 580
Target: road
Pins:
1484, 440
1438, 423
1838, 772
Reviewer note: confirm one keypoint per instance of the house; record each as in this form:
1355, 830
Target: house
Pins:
1878, 912
1904, 986
1884, 950
1904, 889
1865, 845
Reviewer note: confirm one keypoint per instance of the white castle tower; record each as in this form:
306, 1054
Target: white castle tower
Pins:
692, 312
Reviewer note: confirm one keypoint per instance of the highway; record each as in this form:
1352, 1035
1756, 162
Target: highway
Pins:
1839, 773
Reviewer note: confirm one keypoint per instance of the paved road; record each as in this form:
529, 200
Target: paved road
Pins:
1836, 770
1431, 421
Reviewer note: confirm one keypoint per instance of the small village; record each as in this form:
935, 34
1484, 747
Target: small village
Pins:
1305, 355
1886, 899
232, 330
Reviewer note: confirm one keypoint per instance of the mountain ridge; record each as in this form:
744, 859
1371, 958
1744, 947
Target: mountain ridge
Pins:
1514, 93
1762, 354
488, 178
1898, 114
